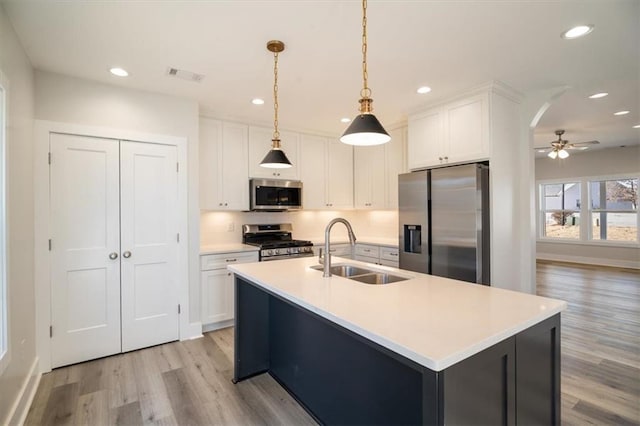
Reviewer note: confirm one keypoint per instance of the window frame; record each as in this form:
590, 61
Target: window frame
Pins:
585, 212
5, 353
542, 210
591, 210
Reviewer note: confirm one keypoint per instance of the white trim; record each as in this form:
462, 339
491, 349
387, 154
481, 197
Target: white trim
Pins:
5, 351
217, 325
42, 129
589, 260
601, 243
20, 408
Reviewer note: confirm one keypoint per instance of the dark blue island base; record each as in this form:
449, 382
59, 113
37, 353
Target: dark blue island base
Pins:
342, 378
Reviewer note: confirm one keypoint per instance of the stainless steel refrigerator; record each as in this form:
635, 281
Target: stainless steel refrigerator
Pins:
444, 222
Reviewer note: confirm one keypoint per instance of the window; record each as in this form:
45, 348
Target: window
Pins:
560, 207
613, 209
608, 207
4, 329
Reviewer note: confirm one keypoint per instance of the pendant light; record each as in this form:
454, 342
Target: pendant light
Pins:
365, 129
275, 158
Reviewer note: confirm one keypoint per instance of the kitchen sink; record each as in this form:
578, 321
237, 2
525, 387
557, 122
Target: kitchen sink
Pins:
378, 278
346, 271
363, 275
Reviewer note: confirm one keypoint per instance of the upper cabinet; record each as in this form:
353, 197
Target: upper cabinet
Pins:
260, 144
376, 170
326, 171
224, 174
453, 133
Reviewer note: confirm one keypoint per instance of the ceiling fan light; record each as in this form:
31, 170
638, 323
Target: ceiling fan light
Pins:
553, 154
275, 159
563, 154
365, 130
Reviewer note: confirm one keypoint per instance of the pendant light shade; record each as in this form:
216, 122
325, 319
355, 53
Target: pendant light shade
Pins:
365, 129
275, 158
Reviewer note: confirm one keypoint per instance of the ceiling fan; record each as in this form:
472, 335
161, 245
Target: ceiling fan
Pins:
559, 148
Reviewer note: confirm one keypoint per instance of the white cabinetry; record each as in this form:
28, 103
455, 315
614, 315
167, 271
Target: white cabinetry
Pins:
217, 297
376, 172
326, 171
380, 255
453, 133
224, 174
260, 144
340, 249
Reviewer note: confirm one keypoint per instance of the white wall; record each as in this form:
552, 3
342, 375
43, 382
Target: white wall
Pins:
70, 100
611, 161
307, 225
16, 67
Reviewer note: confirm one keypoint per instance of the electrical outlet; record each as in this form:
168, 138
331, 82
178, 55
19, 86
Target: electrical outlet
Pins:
231, 227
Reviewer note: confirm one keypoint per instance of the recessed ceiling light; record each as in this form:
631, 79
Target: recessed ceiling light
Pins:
257, 101
598, 95
579, 31
345, 120
621, 113
119, 72
637, 126
424, 89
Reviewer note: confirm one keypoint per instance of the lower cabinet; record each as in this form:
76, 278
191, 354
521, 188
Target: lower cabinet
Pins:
217, 297
379, 255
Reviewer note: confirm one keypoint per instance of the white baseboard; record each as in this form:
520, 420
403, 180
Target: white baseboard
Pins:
192, 331
589, 260
217, 325
20, 408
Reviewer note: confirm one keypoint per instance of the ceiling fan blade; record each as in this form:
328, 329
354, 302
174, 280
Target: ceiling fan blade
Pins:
543, 149
585, 143
572, 146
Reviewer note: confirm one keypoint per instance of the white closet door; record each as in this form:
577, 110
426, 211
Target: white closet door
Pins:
149, 226
85, 263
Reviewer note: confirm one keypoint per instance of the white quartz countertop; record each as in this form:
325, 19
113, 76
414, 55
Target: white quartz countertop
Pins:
431, 320
226, 248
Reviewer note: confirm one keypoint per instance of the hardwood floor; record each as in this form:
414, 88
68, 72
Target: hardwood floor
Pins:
189, 383
180, 383
600, 341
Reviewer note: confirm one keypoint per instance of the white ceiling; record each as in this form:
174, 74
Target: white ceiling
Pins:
450, 46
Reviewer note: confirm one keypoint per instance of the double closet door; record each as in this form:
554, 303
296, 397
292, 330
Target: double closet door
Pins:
114, 248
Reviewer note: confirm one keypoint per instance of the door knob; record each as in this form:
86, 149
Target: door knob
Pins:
126, 254
113, 256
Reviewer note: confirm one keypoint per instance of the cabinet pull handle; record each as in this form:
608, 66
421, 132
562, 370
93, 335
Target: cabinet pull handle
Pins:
393, 254
126, 254
231, 260
440, 158
446, 158
228, 274
113, 256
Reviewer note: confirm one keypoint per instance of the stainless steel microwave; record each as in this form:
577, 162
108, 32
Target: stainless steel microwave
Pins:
275, 194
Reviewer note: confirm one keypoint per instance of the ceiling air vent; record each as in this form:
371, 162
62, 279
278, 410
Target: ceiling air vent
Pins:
185, 75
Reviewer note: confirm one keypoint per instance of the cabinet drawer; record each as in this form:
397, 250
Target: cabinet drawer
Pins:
392, 263
367, 259
389, 253
367, 250
219, 261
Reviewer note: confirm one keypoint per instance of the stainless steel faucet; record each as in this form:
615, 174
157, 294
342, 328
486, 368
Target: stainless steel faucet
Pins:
327, 254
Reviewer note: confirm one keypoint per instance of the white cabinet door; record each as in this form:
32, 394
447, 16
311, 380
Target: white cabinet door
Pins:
149, 229
340, 175
425, 139
260, 144
85, 223
217, 296
224, 170
313, 171
394, 165
369, 177
210, 149
466, 131
234, 168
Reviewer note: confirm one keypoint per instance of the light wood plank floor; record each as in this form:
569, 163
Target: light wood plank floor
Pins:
600, 341
189, 383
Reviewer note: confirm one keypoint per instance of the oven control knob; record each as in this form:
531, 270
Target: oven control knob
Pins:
268, 252
305, 249
294, 250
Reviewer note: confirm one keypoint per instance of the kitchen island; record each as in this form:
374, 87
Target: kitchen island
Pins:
426, 350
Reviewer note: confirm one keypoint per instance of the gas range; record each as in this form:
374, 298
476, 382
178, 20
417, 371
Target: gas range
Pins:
275, 241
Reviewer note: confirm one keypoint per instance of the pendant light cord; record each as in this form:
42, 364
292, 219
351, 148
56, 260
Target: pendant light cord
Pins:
366, 92
276, 133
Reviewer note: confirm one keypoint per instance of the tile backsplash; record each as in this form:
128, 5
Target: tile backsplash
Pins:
226, 227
